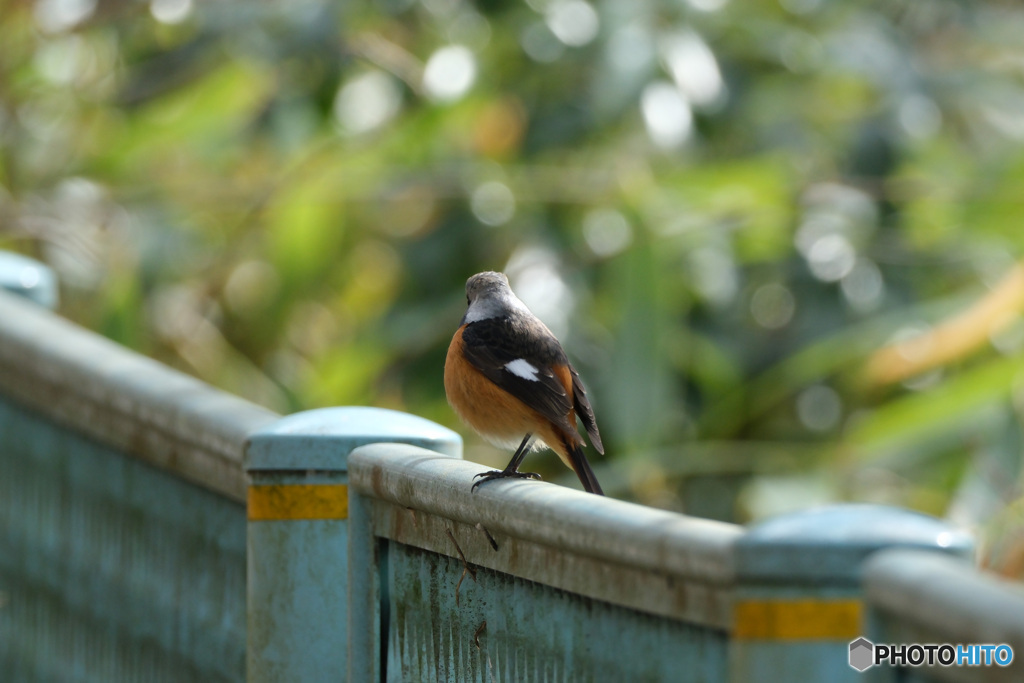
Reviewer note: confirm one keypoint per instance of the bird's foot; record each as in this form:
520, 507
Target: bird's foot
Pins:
502, 474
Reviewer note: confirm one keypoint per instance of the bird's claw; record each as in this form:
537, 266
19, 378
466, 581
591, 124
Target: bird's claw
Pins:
502, 474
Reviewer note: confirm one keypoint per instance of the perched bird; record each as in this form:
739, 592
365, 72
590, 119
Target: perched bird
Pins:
509, 379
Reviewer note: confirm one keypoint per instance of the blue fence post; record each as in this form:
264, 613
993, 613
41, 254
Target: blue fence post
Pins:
28, 278
297, 583
798, 607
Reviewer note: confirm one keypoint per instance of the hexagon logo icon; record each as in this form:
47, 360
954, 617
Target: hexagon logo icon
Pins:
862, 654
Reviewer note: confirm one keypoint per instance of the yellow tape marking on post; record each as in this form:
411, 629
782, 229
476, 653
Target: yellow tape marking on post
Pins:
298, 501
797, 619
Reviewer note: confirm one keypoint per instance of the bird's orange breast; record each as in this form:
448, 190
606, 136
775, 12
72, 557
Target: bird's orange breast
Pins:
493, 412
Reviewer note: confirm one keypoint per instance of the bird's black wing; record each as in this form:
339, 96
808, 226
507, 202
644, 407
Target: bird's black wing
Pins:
585, 412
491, 344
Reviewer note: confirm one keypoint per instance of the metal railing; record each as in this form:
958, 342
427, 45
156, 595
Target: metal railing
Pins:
527, 581
153, 528
122, 518
524, 582
917, 597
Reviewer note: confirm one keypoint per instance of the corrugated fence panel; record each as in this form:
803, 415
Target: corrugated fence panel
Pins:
526, 581
445, 625
110, 569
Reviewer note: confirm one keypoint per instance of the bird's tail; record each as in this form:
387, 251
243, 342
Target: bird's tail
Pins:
582, 468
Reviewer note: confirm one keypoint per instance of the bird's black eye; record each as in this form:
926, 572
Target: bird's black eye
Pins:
467, 300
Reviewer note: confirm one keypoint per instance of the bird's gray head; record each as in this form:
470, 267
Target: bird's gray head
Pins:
489, 296
484, 284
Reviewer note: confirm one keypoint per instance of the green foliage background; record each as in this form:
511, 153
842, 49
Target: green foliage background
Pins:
197, 178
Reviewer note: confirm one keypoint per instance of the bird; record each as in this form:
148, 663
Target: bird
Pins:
508, 377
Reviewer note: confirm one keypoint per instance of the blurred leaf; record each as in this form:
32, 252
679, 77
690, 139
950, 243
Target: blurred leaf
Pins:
638, 399
939, 412
995, 206
344, 376
751, 197
194, 125
304, 227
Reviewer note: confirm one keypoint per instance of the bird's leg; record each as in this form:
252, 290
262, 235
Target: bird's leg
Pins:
512, 468
517, 457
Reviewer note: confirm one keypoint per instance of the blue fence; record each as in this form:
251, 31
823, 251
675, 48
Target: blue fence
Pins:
153, 528
110, 568
122, 507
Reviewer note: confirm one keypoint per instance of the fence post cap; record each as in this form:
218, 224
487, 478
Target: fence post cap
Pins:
321, 439
828, 544
28, 278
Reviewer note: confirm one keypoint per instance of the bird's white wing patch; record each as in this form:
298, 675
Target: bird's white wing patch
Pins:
522, 368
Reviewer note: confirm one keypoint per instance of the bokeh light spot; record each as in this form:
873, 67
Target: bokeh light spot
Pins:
772, 306
707, 5
540, 44
535, 275
819, 408
449, 73
60, 60
574, 22
863, 286
170, 11
493, 203
367, 102
831, 258
606, 231
57, 16
714, 274
666, 114
693, 68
